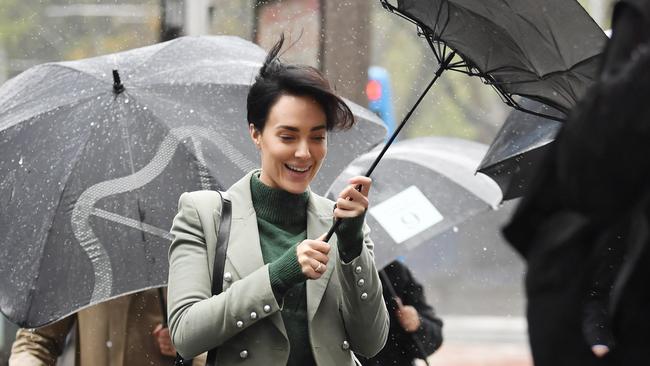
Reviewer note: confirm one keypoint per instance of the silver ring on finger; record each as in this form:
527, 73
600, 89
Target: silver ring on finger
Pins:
318, 268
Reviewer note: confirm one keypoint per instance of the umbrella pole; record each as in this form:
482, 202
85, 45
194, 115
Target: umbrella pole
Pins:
391, 291
442, 68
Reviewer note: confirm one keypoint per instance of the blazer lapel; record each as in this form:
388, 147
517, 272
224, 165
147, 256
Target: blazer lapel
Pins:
244, 252
318, 223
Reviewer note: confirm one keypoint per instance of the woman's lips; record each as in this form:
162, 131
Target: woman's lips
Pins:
296, 173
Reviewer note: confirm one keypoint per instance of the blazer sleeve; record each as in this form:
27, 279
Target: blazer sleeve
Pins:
362, 305
199, 321
40, 346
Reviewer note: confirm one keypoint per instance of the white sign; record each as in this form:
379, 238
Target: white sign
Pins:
406, 214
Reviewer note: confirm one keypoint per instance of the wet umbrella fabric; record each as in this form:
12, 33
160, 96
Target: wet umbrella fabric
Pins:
519, 146
544, 50
91, 173
423, 187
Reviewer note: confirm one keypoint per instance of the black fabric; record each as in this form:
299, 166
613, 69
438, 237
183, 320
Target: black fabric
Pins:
401, 347
583, 227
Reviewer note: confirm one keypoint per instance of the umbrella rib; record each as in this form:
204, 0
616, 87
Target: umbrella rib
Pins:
169, 43
66, 66
553, 39
422, 24
135, 224
504, 31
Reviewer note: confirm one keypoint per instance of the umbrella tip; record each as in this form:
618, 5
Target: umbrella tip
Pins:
117, 83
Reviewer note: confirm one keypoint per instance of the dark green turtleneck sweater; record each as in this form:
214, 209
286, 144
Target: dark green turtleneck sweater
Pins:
282, 225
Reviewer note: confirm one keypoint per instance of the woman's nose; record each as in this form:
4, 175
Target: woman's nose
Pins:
302, 151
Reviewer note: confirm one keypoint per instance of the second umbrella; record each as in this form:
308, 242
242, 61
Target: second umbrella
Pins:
422, 188
93, 163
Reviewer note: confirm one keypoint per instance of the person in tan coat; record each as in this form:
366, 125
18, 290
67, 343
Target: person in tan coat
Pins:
123, 331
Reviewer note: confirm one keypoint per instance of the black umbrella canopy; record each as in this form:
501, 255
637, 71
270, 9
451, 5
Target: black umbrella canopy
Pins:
91, 170
544, 50
421, 188
519, 147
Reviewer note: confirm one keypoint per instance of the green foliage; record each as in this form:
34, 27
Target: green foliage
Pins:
17, 20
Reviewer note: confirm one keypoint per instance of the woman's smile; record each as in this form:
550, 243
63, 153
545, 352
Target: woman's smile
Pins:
297, 169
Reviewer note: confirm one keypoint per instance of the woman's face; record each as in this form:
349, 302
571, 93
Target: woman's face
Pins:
293, 143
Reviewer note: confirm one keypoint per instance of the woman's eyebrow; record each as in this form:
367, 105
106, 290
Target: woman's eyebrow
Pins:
296, 129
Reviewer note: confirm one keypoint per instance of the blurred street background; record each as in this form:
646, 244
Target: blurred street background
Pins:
475, 282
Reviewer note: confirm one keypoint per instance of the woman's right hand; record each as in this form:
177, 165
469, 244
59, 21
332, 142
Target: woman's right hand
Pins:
312, 257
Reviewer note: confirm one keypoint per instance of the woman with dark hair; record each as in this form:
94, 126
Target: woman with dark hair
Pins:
289, 298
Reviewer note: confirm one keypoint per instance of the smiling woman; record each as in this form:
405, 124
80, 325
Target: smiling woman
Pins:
289, 297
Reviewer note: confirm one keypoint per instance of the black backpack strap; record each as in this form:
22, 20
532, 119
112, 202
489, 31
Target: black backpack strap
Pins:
220, 258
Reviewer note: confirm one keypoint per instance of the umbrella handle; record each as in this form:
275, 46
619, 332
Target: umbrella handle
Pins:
337, 222
163, 307
441, 68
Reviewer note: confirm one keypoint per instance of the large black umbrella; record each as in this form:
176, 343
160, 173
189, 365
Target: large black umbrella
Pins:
422, 188
519, 146
544, 50
93, 163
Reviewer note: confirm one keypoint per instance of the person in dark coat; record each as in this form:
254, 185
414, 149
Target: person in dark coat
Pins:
584, 225
415, 330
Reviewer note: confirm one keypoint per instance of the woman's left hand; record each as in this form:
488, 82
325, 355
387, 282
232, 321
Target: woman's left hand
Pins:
353, 203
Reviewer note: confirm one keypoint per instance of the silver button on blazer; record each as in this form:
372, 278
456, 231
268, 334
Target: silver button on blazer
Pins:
339, 310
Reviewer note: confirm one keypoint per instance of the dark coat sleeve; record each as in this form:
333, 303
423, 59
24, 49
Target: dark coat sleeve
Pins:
411, 292
430, 332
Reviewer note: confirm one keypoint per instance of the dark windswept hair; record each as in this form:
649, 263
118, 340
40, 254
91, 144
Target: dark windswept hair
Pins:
276, 79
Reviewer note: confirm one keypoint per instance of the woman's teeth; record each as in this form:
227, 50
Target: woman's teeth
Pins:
296, 169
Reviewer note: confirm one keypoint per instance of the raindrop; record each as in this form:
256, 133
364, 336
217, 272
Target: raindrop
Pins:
20, 162
126, 101
484, 249
455, 229
109, 344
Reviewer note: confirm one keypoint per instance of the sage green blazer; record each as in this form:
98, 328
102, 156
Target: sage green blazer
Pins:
345, 308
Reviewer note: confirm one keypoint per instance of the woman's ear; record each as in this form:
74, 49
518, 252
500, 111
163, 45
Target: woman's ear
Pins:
255, 134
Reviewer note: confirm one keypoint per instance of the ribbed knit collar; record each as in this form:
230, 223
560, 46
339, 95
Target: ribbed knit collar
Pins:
276, 205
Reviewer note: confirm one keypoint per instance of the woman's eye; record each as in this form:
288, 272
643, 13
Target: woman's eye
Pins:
286, 138
319, 138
